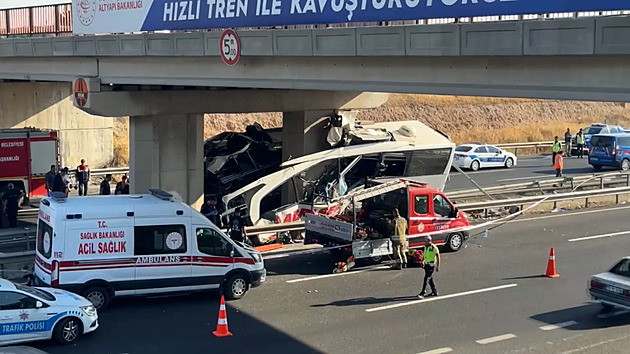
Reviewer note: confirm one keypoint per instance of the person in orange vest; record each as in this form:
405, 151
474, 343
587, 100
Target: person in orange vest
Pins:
558, 164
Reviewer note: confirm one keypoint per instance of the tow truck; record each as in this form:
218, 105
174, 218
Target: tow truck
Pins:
363, 224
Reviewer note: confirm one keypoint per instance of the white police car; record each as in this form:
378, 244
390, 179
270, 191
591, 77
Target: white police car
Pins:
476, 156
30, 314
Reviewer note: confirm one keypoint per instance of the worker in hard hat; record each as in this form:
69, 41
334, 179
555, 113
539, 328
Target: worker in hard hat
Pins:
431, 263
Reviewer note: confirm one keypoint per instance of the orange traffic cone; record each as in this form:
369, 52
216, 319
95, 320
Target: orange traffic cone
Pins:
551, 266
222, 326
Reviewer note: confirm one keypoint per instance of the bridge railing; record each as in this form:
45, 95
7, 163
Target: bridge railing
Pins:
37, 21
56, 20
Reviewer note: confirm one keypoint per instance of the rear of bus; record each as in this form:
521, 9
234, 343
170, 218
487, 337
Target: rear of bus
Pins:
48, 246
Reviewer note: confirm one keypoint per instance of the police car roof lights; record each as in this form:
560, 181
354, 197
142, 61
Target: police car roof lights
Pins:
158, 193
59, 197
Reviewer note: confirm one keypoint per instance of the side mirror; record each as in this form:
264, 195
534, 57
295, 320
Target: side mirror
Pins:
39, 305
231, 251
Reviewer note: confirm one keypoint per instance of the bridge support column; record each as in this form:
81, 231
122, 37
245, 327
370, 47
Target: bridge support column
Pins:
166, 152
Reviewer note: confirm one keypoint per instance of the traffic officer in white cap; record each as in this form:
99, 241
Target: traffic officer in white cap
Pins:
431, 263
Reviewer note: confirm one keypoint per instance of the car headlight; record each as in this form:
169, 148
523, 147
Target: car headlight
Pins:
257, 257
89, 310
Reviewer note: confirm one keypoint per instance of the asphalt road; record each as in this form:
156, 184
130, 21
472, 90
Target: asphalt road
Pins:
528, 169
492, 300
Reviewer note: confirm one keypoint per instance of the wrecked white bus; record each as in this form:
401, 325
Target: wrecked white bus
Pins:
414, 151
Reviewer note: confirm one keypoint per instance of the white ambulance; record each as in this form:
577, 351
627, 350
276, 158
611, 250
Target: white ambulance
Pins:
125, 245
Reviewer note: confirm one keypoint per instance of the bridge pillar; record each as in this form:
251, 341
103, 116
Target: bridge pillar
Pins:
166, 152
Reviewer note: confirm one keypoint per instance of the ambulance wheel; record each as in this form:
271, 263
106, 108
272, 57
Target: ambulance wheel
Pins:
98, 296
475, 165
236, 287
68, 330
454, 242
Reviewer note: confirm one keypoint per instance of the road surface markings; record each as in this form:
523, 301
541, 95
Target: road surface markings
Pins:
441, 297
496, 339
569, 214
613, 314
438, 351
585, 348
558, 325
599, 236
336, 274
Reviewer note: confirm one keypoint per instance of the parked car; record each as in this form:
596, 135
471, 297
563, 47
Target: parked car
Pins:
611, 150
598, 128
33, 313
476, 156
612, 288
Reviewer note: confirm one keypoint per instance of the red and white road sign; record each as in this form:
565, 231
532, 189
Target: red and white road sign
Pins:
230, 47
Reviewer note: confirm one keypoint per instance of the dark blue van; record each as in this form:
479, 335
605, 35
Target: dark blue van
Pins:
610, 150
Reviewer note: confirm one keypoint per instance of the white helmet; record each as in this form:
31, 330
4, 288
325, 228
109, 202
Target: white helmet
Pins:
428, 238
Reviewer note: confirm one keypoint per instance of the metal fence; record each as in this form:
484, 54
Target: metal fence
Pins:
56, 20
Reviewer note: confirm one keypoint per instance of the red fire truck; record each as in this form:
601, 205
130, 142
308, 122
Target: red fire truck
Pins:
25, 157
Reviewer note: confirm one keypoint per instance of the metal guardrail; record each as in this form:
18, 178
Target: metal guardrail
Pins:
599, 180
520, 202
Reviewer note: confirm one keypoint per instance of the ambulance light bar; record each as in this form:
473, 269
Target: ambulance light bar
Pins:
59, 197
158, 193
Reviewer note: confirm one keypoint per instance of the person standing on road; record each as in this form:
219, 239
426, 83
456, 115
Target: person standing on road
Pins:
10, 201
83, 177
431, 263
557, 147
50, 179
65, 176
236, 227
122, 187
209, 210
558, 164
579, 142
567, 142
399, 239
105, 187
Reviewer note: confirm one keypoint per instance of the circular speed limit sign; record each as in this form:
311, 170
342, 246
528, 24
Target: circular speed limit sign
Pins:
230, 47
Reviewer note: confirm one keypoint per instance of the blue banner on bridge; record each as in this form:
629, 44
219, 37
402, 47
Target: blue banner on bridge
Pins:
103, 16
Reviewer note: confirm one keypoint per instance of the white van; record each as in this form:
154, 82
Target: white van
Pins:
105, 246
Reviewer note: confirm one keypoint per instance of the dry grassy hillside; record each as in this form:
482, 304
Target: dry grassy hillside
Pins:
494, 120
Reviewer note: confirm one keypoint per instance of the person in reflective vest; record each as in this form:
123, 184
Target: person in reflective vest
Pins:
557, 147
579, 142
558, 164
431, 264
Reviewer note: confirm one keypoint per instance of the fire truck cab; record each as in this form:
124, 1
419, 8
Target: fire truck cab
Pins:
25, 157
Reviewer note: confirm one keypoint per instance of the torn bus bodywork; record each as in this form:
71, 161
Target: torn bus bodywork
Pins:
414, 151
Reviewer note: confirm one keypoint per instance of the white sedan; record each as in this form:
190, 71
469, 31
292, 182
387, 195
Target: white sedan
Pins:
32, 314
476, 156
612, 288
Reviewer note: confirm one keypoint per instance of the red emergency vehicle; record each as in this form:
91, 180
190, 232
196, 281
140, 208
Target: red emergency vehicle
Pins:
368, 228
25, 157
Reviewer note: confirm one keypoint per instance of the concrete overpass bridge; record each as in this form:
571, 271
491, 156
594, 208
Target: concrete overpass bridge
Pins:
311, 73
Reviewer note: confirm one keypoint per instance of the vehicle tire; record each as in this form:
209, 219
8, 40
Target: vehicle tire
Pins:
597, 167
376, 260
68, 330
475, 165
509, 163
99, 296
625, 165
236, 287
454, 242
